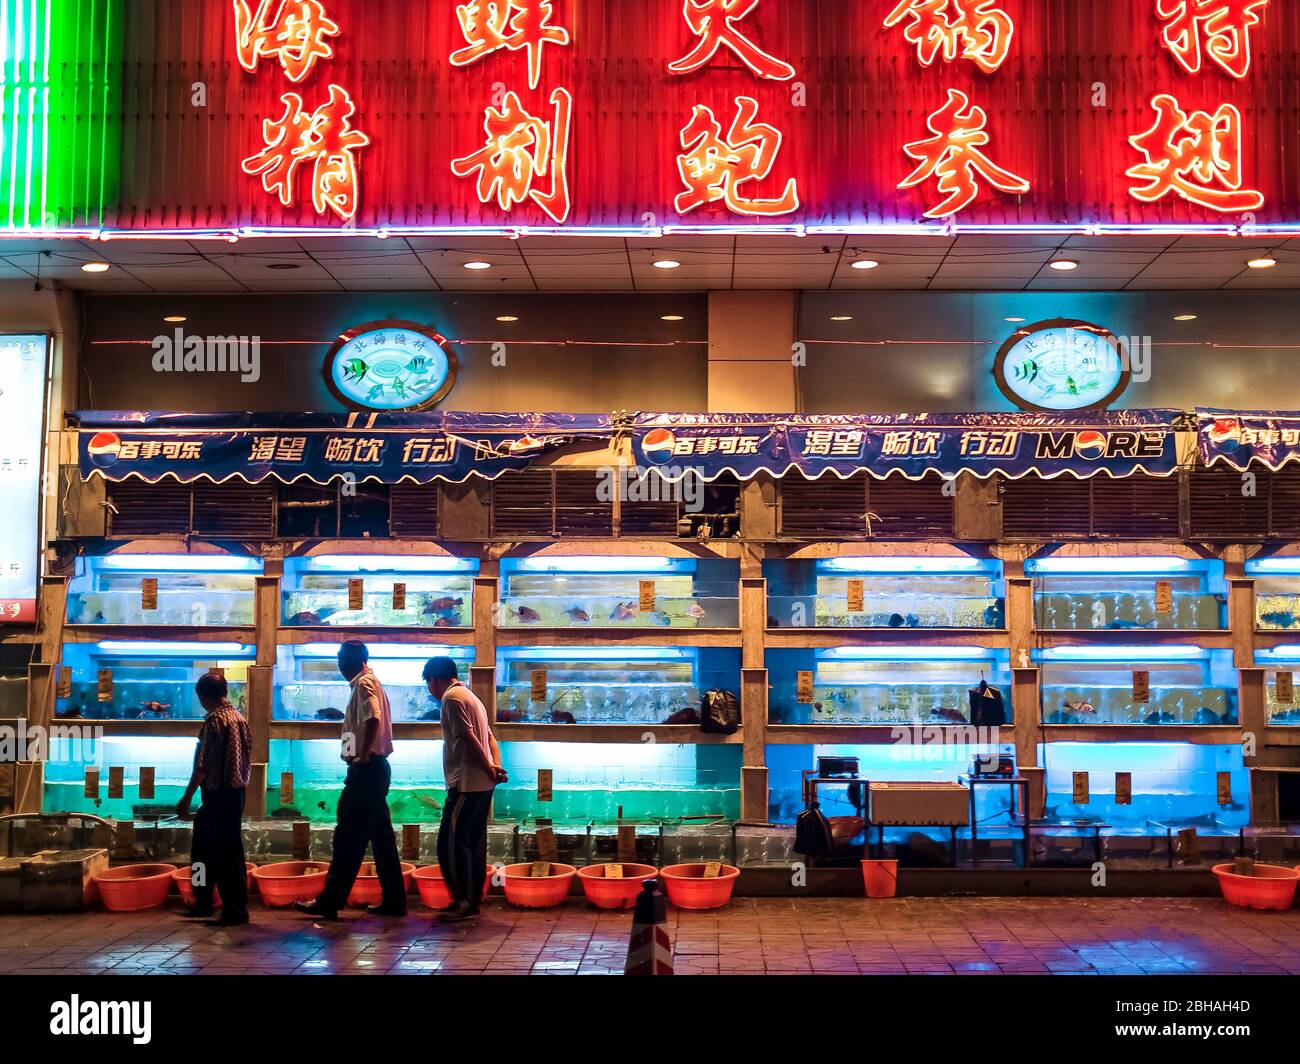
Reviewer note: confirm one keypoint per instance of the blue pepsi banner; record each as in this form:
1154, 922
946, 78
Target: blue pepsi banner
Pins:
1240, 438
390, 448
1117, 443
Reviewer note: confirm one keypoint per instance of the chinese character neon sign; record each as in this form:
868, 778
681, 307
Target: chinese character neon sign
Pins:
714, 167
953, 156
490, 25
1221, 28
714, 23
295, 35
1190, 154
977, 30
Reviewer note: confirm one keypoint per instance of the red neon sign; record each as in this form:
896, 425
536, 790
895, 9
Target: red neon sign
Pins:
953, 156
490, 25
977, 30
714, 23
714, 167
1188, 154
1220, 28
295, 35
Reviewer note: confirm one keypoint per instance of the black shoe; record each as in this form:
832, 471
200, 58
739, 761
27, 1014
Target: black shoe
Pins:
459, 915
385, 910
314, 909
195, 913
231, 920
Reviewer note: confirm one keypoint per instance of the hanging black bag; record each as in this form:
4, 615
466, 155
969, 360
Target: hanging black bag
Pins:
719, 712
987, 709
812, 833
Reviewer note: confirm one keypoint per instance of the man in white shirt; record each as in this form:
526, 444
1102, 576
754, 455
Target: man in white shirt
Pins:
363, 806
471, 762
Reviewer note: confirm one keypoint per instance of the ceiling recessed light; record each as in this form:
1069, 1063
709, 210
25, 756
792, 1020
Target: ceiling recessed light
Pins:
666, 264
1264, 263
506, 317
1184, 317
476, 265
94, 267
670, 317
864, 264
841, 317
175, 319
282, 266
1013, 319
1064, 264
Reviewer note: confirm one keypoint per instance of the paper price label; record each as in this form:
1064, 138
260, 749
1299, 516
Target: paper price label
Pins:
116, 781
1224, 780
301, 840
286, 788
540, 870
356, 594
1164, 596
627, 843
613, 871
65, 682
410, 842
1243, 866
1189, 846
1080, 796
804, 688
92, 783
545, 784
538, 683
7, 778
1123, 788
1141, 687
712, 869
546, 847
647, 599
855, 596
105, 690
1285, 687
124, 837
149, 593
399, 598
146, 783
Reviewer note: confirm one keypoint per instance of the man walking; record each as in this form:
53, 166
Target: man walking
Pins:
363, 806
471, 763
221, 770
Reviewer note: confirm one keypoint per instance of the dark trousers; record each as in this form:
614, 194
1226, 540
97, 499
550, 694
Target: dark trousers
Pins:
462, 844
363, 818
217, 851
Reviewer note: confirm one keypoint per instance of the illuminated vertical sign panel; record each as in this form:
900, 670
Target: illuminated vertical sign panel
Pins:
22, 408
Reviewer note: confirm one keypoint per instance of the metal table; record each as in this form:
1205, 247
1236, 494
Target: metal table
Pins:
1014, 782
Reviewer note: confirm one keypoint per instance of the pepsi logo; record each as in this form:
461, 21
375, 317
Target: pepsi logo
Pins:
1090, 444
103, 449
657, 446
1225, 433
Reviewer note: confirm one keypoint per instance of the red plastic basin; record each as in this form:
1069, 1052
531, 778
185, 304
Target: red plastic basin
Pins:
688, 889
286, 882
184, 877
366, 889
605, 892
1270, 887
541, 892
433, 888
131, 888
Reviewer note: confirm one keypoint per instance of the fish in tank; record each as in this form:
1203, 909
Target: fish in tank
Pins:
1128, 593
307, 684
431, 591
192, 589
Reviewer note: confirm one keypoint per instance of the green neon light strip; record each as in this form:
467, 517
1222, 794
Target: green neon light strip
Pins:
60, 111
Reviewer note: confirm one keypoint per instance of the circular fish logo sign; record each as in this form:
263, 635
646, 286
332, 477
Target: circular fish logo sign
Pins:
390, 365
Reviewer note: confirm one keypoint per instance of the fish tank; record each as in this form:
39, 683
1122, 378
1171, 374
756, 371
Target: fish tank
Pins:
614, 685
1284, 658
149, 680
307, 684
885, 685
1094, 685
1120, 594
896, 592
193, 589
1172, 783
1277, 592
592, 783
435, 592
171, 758
616, 592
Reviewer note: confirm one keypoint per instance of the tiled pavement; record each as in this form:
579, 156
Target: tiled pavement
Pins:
987, 936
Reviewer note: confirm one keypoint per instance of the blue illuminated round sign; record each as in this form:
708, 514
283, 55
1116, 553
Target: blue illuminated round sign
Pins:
390, 365
1062, 365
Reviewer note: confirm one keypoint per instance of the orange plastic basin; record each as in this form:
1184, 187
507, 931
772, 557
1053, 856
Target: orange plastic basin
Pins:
542, 892
1271, 887
366, 889
130, 888
433, 888
184, 884
614, 893
284, 883
688, 889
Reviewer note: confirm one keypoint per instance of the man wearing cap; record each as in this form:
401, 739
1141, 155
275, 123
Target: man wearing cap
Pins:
363, 806
471, 763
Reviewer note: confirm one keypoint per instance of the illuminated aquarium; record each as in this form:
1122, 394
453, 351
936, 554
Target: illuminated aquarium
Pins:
1128, 593
309, 686
611, 592
1095, 685
432, 592
193, 589
1172, 783
895, 592
170, 757
591, 782
1277, 592
1285, 658
614, 685
889, 685
128, 680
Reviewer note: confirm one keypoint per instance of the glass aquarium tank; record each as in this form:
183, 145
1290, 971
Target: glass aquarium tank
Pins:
1284, 658
1277, 592
617, 592
1094, 685
1128, 593
885, 685
615, 685
591, 782
148, 680
193, 589
894, 592
1171, 783
308, 685
434, 592
171, 758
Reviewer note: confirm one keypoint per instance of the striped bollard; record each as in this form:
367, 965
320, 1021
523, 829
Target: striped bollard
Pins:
650, 950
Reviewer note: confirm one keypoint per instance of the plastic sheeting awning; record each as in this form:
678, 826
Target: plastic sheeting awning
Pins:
1242, 438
